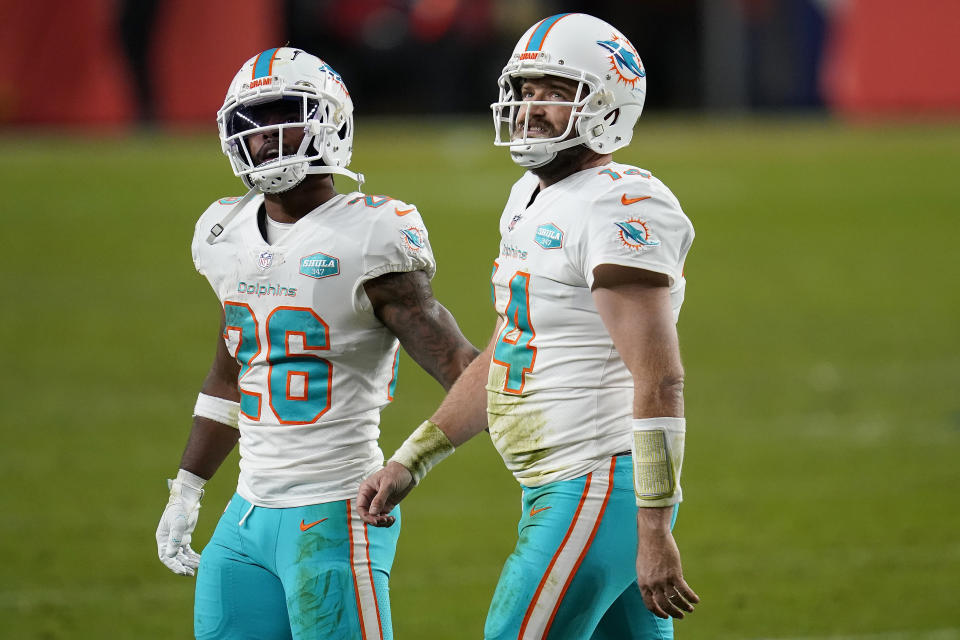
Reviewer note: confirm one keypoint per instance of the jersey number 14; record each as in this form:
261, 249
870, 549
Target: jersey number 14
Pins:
514, 349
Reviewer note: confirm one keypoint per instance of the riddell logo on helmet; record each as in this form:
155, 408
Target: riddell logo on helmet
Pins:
530, 55
257, 82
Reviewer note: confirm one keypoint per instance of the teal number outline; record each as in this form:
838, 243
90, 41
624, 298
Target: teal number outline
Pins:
508, 349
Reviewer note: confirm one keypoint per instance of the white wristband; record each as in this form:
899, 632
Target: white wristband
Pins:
657, 447
187, 485
425, 447
217, 409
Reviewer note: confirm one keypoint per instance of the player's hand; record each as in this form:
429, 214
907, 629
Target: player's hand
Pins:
381, 492
176, 528
665, 593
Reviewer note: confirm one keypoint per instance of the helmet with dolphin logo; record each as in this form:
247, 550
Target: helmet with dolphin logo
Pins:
609, 98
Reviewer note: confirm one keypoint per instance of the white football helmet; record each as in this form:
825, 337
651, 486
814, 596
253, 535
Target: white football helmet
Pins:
318, 104
609, 97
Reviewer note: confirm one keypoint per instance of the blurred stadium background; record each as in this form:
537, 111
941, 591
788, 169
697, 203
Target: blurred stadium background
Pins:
815, 145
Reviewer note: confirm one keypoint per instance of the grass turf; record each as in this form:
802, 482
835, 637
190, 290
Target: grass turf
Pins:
820, 337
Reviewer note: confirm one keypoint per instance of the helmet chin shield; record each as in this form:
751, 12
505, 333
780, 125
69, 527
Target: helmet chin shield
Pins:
276, 179
609, 97
297, 109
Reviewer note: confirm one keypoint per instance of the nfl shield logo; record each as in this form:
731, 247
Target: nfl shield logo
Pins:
264, 260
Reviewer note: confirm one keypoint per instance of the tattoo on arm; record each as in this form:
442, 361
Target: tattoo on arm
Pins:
404, 302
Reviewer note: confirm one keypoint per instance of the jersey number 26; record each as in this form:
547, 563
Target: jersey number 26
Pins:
299, 387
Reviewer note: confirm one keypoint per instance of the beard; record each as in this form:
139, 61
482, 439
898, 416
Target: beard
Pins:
566, 162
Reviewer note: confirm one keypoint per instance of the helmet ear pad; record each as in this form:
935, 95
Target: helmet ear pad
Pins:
595, 128
334, 145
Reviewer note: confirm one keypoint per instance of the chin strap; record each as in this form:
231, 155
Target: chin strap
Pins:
554, 147
218, 228
356, 176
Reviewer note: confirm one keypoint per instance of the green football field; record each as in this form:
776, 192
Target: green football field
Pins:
821, 339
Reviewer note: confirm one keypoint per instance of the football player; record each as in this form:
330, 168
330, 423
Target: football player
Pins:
581, 386
319, 290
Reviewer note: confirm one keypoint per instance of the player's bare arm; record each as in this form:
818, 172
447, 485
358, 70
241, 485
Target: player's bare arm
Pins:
404, 302
461, 415
635, 307
463, 412
210, 442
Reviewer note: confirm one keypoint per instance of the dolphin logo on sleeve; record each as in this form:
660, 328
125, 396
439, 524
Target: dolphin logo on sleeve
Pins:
635, 234
413, 237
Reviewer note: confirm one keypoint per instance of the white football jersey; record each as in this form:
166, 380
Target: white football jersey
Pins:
560, 399
317, 366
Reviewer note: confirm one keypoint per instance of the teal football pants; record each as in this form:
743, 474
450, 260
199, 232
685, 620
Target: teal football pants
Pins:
305, 572
572, 575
